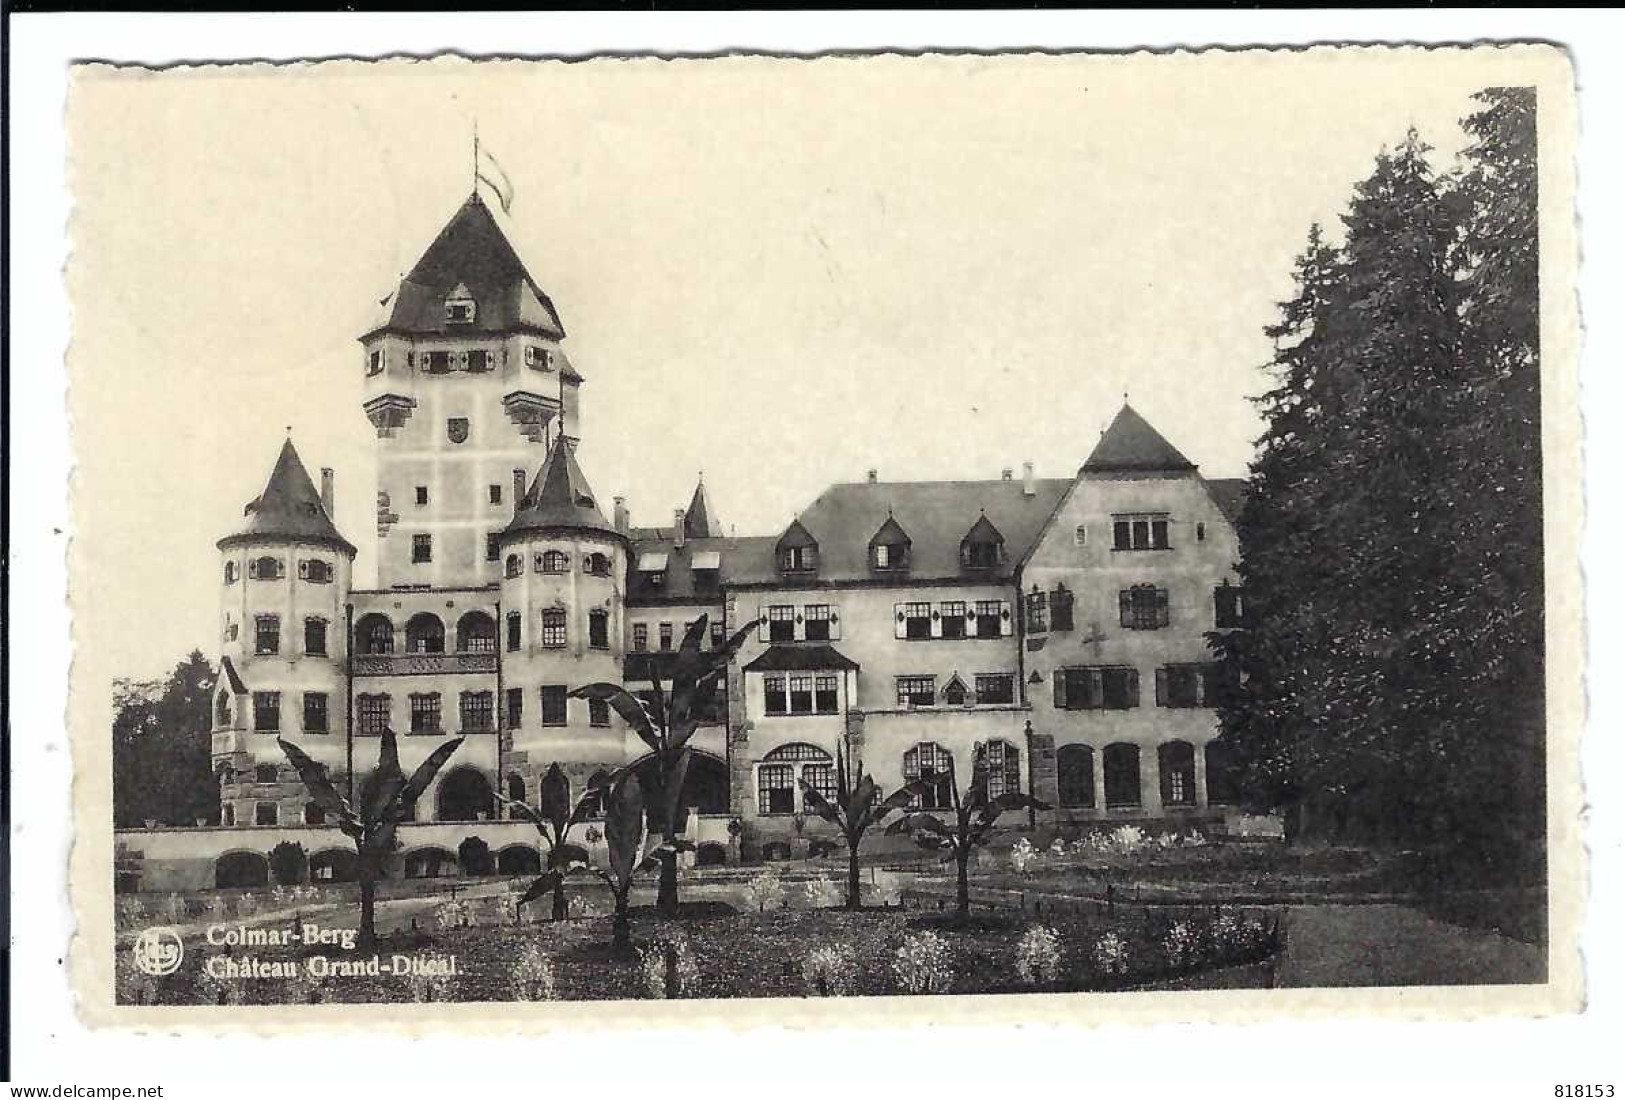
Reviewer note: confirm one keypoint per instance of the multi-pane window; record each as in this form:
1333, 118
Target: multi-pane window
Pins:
776, 789
953, 618
798, 559
552, 561
1001, 763
801, 694
422, 549
426, 712
1227, 606
555, 705
315, 712
827, 694
493, 546
781, 623
821, 778
596, 564
438, 362
474, 711
265, 773
980, 553
377, 635
927, 761
665, 637
1105, 687
1176, 766
267, 711
640, 637
598, 628
373, 711
516, 708
1143, 607
719, 633
315, 571
1060, 608
989, 618
817, 622
267, 634
916, 691
1038, 612
995, 689
598, 712
554, 635
775, 693
316, 637
479, 359
1139, 532
538, 358
266, 569
265, 813
917, 620
515, 630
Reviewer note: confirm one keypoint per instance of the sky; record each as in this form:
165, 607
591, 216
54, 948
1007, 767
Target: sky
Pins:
780, 273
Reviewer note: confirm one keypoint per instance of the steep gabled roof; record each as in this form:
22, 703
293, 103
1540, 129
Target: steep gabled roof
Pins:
473, 254
891, 533
796, 535
560, 498
1131, 445
983, 531
1228, 493
289, 508
698, 522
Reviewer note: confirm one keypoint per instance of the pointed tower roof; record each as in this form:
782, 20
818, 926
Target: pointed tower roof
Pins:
289, 508
473, 259
698, 523
1131, 445
560, 498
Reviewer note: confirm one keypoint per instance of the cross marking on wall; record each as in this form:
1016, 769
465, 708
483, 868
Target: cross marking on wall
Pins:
1093, 638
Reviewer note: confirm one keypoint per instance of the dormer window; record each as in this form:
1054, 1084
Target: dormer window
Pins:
982, 547
653, 567
888, 549
797, 550
538, 358
460, 307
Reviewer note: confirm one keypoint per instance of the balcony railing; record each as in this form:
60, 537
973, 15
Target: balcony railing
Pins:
423, 664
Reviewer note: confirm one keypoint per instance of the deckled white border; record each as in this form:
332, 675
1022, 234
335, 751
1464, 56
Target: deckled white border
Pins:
39, 503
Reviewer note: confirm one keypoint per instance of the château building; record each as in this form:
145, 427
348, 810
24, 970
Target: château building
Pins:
1060, 622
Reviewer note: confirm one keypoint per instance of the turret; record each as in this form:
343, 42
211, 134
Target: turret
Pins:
284, 575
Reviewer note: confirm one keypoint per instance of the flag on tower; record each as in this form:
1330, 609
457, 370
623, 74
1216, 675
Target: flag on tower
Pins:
490, 173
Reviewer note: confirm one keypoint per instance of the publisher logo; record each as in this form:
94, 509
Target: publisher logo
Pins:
158, 951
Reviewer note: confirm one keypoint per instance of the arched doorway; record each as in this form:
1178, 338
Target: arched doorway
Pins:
425, 633
705, 784
333, 865
519, 860
1176, 769
1075, 776
430, 863
464, 795
476, 633
1122, 766
239, 870
374, 634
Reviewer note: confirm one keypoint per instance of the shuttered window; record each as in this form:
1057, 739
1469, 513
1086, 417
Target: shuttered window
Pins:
1097, 687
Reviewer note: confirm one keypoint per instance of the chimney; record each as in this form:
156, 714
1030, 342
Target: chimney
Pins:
327, 490
623, 519
677, 528
1028, 488
1006, 474
874, 475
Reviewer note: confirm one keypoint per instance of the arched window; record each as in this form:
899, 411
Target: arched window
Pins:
425, 634
1075, 775
552, 561
1223, 774
476, 633
927, 760
375, 634
1001, 762
265, 773
516, 787
1176, 766
514, 566
266, 568
1122, 766
222, 709
776, 787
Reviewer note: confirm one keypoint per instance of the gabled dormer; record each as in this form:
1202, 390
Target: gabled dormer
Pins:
982, 547
889, 548
460, 306
796, 551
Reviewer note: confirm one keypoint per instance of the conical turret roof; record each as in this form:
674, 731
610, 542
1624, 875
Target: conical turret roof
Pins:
560, 498
289, 508
1131, 445
472, 258
698, 523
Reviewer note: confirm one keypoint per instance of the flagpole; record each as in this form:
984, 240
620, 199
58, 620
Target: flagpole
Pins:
476, 182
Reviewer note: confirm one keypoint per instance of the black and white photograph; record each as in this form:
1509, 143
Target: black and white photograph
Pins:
749, 529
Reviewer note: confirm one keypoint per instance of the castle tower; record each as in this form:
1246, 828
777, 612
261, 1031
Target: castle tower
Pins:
563, 626
285, 576
466, 385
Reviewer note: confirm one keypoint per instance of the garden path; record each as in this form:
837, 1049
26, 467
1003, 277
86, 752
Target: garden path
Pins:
1389, 945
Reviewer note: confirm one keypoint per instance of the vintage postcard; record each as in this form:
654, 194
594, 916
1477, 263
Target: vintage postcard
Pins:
1052, 536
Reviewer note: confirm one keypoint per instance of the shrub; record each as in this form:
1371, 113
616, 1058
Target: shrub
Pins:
210, 990
532, 977
1111, 955
923, 964
1182, 945
432, 987
765, 890
1023, 855
830, 972
1128, 840
173, 909
821, 893
1167, 840
451, 914
289, 862
474, 856
1195, 839
669, 969
1057, 848
246, 904
581, 907
1038, 956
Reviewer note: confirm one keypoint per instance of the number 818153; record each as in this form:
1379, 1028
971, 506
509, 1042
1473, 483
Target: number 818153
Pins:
1583, 1092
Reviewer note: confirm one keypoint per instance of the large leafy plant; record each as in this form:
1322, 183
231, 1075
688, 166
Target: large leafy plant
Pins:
554, 816
666, 723
857, 807
973, 817
386, 801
